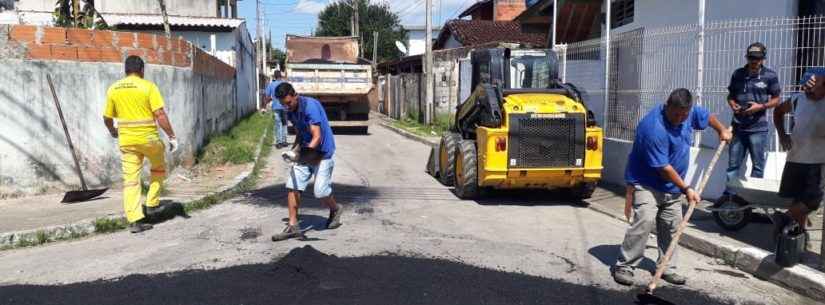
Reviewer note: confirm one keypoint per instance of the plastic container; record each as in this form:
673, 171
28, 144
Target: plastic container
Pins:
790, 246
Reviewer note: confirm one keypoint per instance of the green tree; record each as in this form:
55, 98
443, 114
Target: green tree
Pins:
278, 55
77, 13
334, 20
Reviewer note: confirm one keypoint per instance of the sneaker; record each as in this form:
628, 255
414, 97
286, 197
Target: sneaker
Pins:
334, 219
674, 278
623, 276
139, 226
291, 231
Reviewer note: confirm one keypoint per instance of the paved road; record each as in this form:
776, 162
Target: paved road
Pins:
406, 240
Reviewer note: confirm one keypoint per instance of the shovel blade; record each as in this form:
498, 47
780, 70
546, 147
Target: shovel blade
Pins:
78, 196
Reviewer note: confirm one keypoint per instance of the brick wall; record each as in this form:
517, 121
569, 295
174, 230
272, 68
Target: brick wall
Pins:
72, 44
507, 10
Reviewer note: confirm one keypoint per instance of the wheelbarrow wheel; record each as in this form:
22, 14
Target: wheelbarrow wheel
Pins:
731, 220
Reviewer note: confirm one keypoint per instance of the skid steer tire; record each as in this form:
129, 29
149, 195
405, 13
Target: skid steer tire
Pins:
446, 157
466, 170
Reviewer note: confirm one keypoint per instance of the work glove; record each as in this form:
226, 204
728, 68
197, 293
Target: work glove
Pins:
289, 156
173, 145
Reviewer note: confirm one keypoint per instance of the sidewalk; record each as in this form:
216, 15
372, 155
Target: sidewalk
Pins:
750, 249
29, 215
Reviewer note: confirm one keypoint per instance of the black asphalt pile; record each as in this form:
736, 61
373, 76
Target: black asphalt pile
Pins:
306, 276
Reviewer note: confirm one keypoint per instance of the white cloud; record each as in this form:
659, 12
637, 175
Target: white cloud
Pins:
309, 6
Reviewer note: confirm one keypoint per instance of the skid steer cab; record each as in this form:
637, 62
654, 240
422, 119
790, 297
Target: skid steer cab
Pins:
521, 128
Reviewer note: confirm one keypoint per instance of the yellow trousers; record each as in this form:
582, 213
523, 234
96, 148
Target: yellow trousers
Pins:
132, 162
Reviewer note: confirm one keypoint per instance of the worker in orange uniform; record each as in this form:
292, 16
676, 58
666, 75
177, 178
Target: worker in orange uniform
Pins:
137, 105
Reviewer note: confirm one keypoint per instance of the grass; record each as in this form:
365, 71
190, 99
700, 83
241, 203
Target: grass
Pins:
108, 225
439, 126
236, 146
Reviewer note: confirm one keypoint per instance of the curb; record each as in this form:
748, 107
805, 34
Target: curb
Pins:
408, 134
8, 240
759, 263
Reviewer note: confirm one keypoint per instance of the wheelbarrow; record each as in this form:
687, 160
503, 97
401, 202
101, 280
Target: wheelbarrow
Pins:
733, 213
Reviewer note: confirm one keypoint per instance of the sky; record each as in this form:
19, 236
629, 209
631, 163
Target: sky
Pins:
299, 17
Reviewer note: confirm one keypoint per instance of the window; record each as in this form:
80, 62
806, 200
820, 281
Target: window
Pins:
6, 5
622, 13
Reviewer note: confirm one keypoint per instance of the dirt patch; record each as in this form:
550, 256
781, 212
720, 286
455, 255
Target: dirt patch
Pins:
307, 276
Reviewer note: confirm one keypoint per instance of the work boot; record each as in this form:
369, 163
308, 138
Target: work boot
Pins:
674, 278
780, 221
291, 231
334, 219
139, 226
623, 276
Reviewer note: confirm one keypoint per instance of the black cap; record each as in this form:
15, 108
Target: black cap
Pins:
757, 50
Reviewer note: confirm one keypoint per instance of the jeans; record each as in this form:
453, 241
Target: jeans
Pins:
280, 126
300, 175
744, 143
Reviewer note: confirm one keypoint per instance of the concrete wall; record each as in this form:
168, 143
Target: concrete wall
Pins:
201, 100
416, 40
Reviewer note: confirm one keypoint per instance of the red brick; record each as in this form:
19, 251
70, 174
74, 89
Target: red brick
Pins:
179, 59
39, 52
53, 36
79, 37
137, 52
64, 52
146, 41
126, 40
174, 44
163, 42
110, 55
23, 33
165, 58
151, 57
103, 39
186, 47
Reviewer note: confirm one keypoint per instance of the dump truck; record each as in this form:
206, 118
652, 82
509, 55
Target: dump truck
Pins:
329, 69
521, 128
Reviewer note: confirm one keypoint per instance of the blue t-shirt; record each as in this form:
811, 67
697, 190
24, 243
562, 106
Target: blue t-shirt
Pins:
270, 92
745, 88
311, 112
658, 143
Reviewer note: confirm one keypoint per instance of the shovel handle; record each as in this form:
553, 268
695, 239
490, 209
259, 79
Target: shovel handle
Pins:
66, 132
675, 241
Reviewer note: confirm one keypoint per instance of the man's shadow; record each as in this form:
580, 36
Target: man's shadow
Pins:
607, 255
167, 210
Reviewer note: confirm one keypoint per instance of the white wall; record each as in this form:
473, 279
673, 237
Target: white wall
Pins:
662, 13
416, 40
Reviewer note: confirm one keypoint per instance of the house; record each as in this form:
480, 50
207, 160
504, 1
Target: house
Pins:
417, 38
458, 33
495, 10
213, 25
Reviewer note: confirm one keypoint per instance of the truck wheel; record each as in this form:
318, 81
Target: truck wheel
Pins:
582, 191
466, 170
446, 157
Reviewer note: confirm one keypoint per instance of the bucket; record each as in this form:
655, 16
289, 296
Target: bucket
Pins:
790, 246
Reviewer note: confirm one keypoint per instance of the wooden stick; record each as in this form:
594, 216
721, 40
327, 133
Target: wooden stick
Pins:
675, 241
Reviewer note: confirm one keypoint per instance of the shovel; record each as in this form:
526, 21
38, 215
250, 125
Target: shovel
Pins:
86, 193
647, 296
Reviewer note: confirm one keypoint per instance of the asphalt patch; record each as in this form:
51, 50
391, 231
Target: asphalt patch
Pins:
307, 276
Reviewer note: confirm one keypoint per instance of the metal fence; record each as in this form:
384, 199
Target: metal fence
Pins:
647, 64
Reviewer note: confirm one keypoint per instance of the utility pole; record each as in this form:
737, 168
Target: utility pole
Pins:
428, 64
258, 65
606, 64
165, 19
374, 48
355, 30
555, 18
266, 51
700, 63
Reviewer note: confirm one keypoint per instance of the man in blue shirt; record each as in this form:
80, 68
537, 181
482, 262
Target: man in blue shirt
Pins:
277, 110
753, 89
314, 149
655, 176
